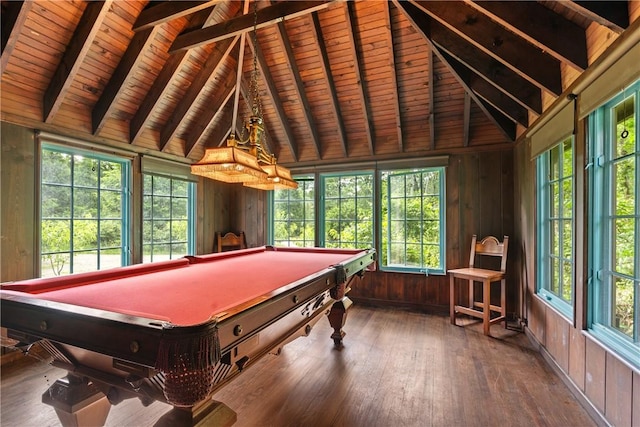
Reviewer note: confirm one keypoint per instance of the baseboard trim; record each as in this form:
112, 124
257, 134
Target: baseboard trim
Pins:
593, 412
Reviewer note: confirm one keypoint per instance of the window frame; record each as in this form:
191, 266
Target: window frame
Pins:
545, 269
302, 180
441, 268
191, 208
322, 220
601, 134
124, 191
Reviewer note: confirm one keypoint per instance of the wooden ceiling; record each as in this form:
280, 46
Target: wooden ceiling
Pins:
338, 81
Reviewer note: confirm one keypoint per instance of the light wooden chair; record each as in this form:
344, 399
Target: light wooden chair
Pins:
230, 241
487, 247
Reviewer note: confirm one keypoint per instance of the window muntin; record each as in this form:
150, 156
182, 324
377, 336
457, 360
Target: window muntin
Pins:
294, 215
555, 229
83, 202
347, 210
167, 218
412, 216
615, 225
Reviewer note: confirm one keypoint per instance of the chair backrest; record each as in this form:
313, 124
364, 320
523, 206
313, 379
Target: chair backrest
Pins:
230, 241
489, 246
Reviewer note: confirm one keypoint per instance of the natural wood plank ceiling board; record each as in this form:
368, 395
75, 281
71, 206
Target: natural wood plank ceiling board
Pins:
388, 109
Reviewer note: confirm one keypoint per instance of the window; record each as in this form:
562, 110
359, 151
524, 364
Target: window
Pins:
167, 230
84, 205
412, 220
347, 211
294, 215
554, 187
615, 224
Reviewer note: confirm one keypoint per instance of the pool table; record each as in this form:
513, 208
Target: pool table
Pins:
175, 331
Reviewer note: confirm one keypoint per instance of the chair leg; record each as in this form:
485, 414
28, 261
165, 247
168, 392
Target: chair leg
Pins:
452, 300
503, 301
486, 305
471, 294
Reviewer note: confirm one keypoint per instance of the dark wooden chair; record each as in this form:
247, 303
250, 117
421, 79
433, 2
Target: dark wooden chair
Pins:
487, 247
230, 241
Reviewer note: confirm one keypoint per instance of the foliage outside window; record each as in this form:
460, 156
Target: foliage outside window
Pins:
347, 210
83, 211
167, 217
555, 234
412, 220
615, 225
294, 215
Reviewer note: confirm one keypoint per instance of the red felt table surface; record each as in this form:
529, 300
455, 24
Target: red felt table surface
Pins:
190, 294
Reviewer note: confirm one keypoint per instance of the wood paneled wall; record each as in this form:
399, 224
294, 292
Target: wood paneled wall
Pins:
480, 200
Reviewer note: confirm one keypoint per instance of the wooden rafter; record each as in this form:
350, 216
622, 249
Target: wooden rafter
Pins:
394, 79
211, 67
13, 19
362, 85
499, 75
242, 24
541, 27
285, 45
316, 31
612, 14
197, 128
272, 91
162, 83
73, 57
126, 67
538, 67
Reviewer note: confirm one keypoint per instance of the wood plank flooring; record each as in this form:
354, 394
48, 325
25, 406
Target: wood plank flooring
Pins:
398, 368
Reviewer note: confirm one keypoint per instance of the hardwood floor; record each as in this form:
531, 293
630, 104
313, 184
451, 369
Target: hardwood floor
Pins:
398, 368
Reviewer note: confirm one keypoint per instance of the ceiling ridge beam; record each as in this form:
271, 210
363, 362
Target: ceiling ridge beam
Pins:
212, 65
76, 51
316, 32
168, 11
351, 22
265, 17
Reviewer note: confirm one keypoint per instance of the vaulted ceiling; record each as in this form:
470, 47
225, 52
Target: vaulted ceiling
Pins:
338, 81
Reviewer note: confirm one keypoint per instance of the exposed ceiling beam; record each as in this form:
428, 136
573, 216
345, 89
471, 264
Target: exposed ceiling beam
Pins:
495, 72
73, 57
538, 67
169, 10
223, 94
215, 61
126, 68
162, 84
12, 19
466, 121
541, 27
505, 124
393, 73
272, 91
432, 113
483, 89
298, 85
316, 32
242, 24
612, 14
350, 17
